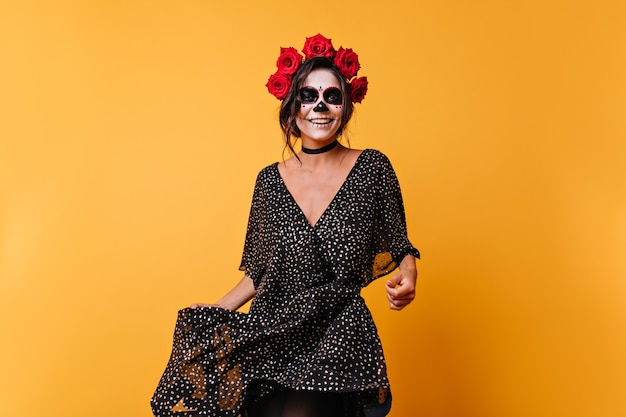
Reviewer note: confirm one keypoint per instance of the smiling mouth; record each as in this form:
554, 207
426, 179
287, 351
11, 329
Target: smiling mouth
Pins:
320, 122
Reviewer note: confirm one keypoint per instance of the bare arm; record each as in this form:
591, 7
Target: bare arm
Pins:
235, 298
401, 287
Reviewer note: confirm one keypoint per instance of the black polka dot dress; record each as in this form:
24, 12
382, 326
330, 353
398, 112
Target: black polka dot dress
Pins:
308, 328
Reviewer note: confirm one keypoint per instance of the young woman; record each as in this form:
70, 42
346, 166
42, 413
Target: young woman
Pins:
323, 224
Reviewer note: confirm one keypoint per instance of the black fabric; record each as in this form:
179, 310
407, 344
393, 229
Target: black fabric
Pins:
284, 402
308, 329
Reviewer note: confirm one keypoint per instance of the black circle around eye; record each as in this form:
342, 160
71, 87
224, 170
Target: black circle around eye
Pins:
308, 95
333, 95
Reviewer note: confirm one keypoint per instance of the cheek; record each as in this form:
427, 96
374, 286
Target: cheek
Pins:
304, 110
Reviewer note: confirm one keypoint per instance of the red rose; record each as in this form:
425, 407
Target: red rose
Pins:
358, 89
279, 85
288, 61
348, 62
318, 46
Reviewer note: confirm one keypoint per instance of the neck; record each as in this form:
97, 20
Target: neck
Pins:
323, 149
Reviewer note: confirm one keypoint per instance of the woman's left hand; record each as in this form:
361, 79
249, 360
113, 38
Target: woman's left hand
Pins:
401, 287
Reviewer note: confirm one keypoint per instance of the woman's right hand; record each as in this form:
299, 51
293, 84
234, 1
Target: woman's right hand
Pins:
242, 293
201, 305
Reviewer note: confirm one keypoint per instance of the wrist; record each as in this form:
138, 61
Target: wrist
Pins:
408, 262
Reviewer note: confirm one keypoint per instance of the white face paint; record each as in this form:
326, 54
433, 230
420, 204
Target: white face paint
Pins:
319, 121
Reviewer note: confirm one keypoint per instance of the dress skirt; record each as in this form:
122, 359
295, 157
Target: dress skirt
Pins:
226, 362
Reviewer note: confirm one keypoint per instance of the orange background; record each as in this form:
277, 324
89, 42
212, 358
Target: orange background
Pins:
131, 133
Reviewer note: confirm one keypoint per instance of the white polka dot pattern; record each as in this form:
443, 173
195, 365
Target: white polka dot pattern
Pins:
308, 327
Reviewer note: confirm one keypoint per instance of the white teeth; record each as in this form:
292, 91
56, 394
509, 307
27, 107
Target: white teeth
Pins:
320, 121
319, 124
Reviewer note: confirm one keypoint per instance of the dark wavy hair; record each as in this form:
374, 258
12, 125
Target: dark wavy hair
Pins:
291, 104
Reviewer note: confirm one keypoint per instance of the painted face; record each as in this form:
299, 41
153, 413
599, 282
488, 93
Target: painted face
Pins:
321, 106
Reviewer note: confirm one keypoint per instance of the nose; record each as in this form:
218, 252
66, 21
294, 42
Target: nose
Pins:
321, 107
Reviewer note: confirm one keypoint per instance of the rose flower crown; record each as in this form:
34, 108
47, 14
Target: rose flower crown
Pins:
346, 60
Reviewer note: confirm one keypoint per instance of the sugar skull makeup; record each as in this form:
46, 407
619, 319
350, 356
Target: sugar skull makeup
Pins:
331, 95
321, 108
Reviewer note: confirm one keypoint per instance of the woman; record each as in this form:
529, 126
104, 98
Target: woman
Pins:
323, 224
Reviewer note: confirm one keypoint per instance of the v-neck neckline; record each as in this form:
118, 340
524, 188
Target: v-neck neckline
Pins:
332, 200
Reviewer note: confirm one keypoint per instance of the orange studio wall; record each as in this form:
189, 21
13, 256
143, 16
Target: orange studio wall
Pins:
131, 133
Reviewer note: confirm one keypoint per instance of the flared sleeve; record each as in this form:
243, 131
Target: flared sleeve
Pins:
254, 259
391, 242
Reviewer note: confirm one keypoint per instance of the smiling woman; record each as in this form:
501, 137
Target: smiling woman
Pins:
316, 99
323, 224
320, 116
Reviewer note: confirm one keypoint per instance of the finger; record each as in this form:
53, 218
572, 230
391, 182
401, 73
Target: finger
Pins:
394, 280
398, 301
402, 292
406, 298
397, 306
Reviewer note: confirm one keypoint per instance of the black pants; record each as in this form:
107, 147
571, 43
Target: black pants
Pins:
290, 403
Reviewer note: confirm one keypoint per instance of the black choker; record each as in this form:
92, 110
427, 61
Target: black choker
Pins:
323, 149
